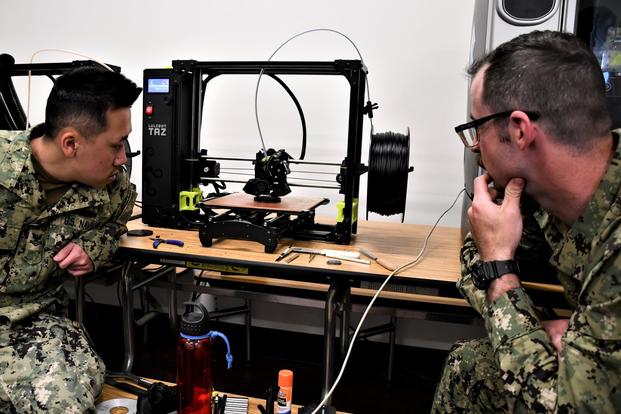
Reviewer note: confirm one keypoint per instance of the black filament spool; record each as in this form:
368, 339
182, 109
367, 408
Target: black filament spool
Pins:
389, 156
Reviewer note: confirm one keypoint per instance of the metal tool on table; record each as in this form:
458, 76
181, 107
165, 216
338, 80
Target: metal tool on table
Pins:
349, 256
384, 263
157, 240
292, 257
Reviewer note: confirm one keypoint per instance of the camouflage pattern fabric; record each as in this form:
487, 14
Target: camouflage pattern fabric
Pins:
471, 382
47, 365
521, 366
31, 233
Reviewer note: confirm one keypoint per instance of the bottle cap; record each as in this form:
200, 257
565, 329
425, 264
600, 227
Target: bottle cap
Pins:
195, 320
285, 378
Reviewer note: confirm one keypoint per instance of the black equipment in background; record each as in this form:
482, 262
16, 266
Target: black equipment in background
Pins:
12, 116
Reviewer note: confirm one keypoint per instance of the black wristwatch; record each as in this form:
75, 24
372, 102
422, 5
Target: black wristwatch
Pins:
484, 272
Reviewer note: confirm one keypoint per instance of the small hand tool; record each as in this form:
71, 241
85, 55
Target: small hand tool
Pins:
348, 259
385, 264
157, 241
292, 258
327, 252
349, 256
284, 253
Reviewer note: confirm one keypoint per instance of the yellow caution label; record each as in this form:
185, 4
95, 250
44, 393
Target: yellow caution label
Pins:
217, 267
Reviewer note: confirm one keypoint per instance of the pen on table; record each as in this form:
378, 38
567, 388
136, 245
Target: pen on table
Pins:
385, 264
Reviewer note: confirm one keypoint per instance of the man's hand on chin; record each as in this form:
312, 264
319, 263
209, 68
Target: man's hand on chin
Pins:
497, 228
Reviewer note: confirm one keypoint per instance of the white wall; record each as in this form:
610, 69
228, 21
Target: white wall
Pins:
415, 51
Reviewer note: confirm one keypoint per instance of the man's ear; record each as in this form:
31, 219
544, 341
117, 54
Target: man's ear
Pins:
69, 140
522, 130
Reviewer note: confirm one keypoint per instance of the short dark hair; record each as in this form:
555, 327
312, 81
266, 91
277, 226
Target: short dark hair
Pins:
552, 73
81, 98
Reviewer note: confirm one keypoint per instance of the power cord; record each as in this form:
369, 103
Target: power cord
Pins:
256, 92
416, 260
61, 51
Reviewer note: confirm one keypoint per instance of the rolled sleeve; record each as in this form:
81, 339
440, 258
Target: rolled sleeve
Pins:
99, 246
510, 316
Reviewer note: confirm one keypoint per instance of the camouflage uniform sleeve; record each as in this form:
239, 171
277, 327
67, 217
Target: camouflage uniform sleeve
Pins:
532, 254
101, 243
469, 256
526, 357
586, 376
590, 368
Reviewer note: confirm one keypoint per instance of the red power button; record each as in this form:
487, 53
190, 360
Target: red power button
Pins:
148, 110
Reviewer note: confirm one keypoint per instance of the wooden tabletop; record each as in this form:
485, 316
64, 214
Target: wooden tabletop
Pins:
110, 393
394, 242
397, 243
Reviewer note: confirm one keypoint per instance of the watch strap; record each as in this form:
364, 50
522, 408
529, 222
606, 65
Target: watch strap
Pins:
486, 272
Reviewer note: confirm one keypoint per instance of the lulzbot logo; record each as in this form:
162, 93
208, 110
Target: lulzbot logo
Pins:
157, 130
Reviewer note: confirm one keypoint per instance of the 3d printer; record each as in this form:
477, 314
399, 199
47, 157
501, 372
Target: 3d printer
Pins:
174, 165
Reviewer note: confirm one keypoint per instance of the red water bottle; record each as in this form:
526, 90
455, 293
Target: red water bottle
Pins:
194, 359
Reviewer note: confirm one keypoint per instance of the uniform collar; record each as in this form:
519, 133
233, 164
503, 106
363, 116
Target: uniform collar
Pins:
77, 197
17, 172
18, 175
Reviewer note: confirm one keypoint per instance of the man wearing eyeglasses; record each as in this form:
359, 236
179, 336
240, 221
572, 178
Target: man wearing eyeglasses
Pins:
542, 129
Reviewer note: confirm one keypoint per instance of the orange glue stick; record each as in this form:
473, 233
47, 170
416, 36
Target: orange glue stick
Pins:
285, 392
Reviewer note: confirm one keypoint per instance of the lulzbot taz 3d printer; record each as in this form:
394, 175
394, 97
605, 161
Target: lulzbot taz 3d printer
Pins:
174, 166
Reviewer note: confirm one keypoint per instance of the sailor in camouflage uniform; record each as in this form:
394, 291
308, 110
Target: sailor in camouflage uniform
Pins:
550, 141
65, 197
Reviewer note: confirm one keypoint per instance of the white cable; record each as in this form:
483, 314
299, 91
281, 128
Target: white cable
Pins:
370, 305
55, 50
256, 92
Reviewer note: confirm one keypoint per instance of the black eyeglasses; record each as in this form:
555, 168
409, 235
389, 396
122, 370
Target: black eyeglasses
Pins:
469, 132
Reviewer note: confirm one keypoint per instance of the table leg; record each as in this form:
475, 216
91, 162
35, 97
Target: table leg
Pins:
127, 305
335, 297
391, 345
173, 317
345, 320
248, 327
